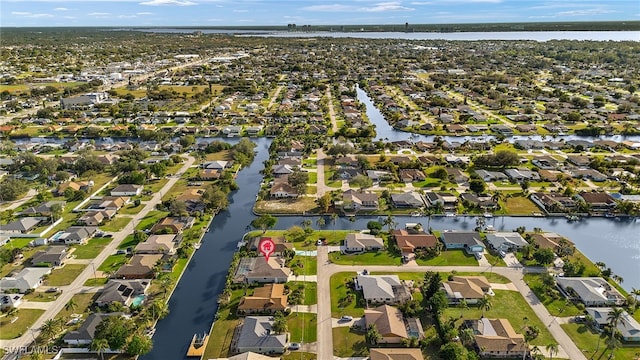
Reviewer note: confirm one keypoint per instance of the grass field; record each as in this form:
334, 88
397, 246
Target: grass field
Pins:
339, 290
91, 249
83, 301
519, 205
556, 307
115, 224
298, 355
113, 262
310, 291
96, 281
23, 88
131, 209
348, 343
305, 265
296, 322
419, 277
41, 296
289, 206
450, 258
65, 275
151, 219
23, 321
509, 305
589, 341
220, 344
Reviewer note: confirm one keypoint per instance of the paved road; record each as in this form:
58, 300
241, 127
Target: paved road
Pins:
321, 185
274, 97
17, 203
77, 286
567, 349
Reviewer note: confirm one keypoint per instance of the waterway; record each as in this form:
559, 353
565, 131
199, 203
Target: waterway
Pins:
194, 301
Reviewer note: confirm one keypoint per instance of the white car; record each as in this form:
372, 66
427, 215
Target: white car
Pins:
294, 346
346, 318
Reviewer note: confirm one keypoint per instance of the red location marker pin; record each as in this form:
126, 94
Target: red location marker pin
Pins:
267, 247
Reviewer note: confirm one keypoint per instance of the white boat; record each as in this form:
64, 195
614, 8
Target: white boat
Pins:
450, 215
196, 246
488, 215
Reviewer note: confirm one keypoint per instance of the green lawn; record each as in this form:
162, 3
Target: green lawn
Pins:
368, 258
298, 355
339, 290
556, 307
450, 258
304, 265
65, 275
519, 205
115, 224
296, 322
419, 276
512, 306
310, 291
219, 344
113, 262
24, 319
91, 249
41, 296
348, 343
151, 219
313, 178
19, 243
96, 281
156, 185
587, 339
131, 209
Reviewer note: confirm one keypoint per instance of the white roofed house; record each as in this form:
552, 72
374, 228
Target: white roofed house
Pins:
592, 291
628, 326
355, 242
127, 190
28, 278
383, 289
256, 335
506, 241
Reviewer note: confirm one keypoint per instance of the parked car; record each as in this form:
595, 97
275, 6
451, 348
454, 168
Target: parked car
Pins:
502, 254
294, 346
580, 319
53, 290
346, 318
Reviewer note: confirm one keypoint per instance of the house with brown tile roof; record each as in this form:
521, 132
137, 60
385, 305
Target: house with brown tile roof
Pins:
280, 242
395, 354
409, 242
391, 324
258, 270
547, 240
265, 300
598, 201
470, 288
139, 267
190, 195
173, 224
159, 244
496, 338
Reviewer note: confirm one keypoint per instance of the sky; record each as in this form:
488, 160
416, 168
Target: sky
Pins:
25, 13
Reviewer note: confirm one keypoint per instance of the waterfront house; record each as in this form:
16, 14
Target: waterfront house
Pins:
27, 279
395, 354
469, 288
139, 267
382, 289
591, 291
392, 325
553, 202
469, 241
628, 327
548, 240
122, 291
447, 201
84, 334
159, 244
359, 242
496, 338
269, 299
409, 199
252, 270
282, 190
256, 335
598, 201
173, 224
359, 200
281, 244
506, 241
408, 241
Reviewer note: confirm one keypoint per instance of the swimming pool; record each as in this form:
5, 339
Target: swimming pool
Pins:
138, 300
56, 236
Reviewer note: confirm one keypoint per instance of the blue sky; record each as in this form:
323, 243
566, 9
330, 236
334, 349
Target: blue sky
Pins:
300, 12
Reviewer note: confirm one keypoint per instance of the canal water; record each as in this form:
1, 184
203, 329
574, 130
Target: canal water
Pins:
194, 301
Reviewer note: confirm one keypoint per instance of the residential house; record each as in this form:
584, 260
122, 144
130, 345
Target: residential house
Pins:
359, 242
43, 209
282, 190
491, 175
209, 174
123, 292
27, 279
522, 175
550, 175
409, 199
591, 291
269, 298
590, 174
127, 190
250, 356
281, 244
548, 240
77, 235
256, 335
53, 256
281, 170
216, 164
408, 241
545, 162
553, 202
359, 200
391, 324
458, 176
258, 270
628, 327
159, 244
496, 338
579, 160
86, 331
445, 200
506, 241
21, 226
139, 267
469, 241
395, 354
383, 289
108, 203
483, 201
379, 175
8, 301
96, 218
411, 175
598, 201
173, 224
469, 288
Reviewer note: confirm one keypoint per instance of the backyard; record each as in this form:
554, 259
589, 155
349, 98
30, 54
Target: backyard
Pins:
14, 326
65, 275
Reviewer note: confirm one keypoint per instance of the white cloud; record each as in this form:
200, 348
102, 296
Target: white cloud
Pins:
420, 3
168, 2
126, 16
60, 9
98, 14
27, 14
329, 8
377, 7
240, 11
585, 12
387, 6
144, 13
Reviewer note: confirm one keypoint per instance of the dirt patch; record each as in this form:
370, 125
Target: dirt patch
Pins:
286, 206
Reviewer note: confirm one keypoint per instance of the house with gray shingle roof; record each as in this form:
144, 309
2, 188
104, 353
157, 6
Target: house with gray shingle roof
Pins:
22, 225
592, 291
28, 278
256, 335
629, 327
382, 289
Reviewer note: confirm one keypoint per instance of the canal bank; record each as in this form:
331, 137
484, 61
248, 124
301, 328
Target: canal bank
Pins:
194, 301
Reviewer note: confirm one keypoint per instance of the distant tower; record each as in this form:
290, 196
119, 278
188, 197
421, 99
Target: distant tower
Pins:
406, 27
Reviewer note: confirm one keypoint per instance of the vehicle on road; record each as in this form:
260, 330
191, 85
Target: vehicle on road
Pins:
346, 318
53, 290
294, 346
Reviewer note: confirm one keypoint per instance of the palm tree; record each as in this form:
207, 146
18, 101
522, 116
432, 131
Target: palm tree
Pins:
165, 284
463, 306
612, 342
320, 222
466, 336
635, 292
390, 223
485, 304
372, 336
71, 306
49, 329
158, 310
552, 349
99, 346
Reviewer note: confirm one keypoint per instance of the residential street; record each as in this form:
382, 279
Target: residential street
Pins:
567, 348
77, 286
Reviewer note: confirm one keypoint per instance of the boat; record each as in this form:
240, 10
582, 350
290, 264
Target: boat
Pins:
488, 215
450, 215
415, 214
196, 246
198, 345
